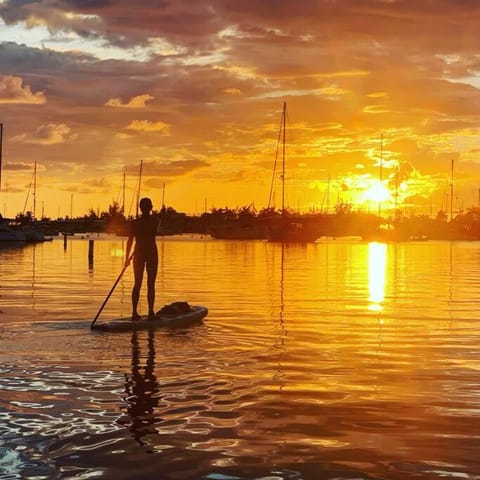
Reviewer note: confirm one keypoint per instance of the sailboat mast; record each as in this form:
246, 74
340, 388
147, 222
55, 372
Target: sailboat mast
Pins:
283, 155
328, 194
381, 157
123, 194
451, 192
139, 185
396, 191
381, 173
34, 189
1, 149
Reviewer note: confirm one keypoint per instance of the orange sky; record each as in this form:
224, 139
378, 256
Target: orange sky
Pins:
195, 89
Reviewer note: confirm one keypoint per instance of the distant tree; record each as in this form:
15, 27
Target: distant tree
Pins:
24, 218
267, 212
246, 213
441, 216
343, 208
92, 215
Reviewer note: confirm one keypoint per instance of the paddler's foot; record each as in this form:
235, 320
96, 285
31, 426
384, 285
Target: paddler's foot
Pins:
151, 316
136, 317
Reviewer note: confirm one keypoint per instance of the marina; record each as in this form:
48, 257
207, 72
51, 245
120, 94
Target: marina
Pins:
199, 283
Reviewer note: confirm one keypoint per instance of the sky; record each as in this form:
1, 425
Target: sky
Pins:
383, 99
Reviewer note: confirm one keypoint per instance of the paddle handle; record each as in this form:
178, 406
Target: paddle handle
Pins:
112, 289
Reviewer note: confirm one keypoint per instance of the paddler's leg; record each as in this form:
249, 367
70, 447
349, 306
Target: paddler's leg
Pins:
152, 267
138, 266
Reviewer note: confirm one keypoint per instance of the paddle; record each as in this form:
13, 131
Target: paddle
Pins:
111, 291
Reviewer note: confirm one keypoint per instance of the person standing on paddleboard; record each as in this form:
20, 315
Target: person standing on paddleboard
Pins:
144, 231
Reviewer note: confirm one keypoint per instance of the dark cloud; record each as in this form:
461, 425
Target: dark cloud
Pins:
120, 22
169, 169
19, 57
195, 25
15, 166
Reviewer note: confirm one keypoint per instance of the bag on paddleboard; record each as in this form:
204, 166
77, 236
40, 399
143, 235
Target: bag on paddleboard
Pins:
175, 308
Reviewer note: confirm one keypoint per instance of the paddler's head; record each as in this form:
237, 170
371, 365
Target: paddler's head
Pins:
145, 205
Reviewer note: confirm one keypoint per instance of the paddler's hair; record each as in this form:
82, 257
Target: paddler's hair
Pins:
145, 205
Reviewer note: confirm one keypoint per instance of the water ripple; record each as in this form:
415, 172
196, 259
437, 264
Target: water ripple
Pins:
314, 362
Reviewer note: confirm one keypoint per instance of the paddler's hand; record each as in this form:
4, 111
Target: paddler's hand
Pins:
127, 262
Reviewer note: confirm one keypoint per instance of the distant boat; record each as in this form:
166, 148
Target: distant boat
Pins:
288, 228
32, 231
34, 235
8, 234
18, 234
386, 232
289, 231
237, 231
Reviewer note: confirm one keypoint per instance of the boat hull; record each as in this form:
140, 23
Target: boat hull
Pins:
235, 232
292, 233
12, 236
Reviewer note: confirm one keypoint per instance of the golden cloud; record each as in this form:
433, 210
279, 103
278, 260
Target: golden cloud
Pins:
49, 134
175, 168
376, 109
12, 91
232, 91
147, 126
139, 101
377, 95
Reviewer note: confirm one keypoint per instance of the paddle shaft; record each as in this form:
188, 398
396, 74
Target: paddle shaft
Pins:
111, 291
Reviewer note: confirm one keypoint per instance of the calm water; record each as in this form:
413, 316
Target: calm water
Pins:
335, 360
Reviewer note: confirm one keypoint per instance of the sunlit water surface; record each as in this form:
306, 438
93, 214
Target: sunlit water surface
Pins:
336, 360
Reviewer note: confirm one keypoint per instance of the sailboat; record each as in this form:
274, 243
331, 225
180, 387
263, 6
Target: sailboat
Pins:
32, 230
7, 234
287, 228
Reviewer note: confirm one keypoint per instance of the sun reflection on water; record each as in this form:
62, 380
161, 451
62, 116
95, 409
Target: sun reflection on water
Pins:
377, 266
117, 252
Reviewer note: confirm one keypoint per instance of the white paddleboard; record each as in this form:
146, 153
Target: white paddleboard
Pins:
196, 314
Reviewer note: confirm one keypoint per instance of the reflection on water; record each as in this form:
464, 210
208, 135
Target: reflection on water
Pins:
377, 264
141, 390
339, 359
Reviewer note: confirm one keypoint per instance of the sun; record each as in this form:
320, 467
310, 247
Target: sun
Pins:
377, 192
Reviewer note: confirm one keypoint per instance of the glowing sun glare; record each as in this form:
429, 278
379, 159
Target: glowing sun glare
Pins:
377, 192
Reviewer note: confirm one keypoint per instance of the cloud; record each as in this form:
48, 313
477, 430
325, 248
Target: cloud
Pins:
44, 13
117, 23
49, 134
232, 91
147, 126
89, 186
135, 102
175, 168
18, 166
12, 90
377, 95
376, 109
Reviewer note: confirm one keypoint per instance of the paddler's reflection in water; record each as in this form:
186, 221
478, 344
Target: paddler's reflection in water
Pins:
141, 389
